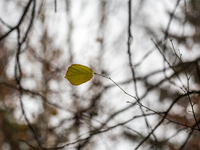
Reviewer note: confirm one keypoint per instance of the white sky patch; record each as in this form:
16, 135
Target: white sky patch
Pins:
32, 108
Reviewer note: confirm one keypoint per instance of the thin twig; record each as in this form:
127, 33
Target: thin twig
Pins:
20, 20
130, 39
188, 84
18, 70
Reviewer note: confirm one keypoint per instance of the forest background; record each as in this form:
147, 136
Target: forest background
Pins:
149, 48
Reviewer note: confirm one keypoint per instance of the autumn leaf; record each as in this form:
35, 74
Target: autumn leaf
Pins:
78, 74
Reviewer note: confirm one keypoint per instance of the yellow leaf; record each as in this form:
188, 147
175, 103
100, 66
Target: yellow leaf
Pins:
78, 74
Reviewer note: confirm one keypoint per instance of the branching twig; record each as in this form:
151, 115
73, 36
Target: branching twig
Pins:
18, 70
20, 20
188, 84
130, 39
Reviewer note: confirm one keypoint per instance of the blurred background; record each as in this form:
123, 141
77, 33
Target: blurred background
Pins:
150, 48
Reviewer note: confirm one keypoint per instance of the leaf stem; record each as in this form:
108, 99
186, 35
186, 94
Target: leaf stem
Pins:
128, 94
